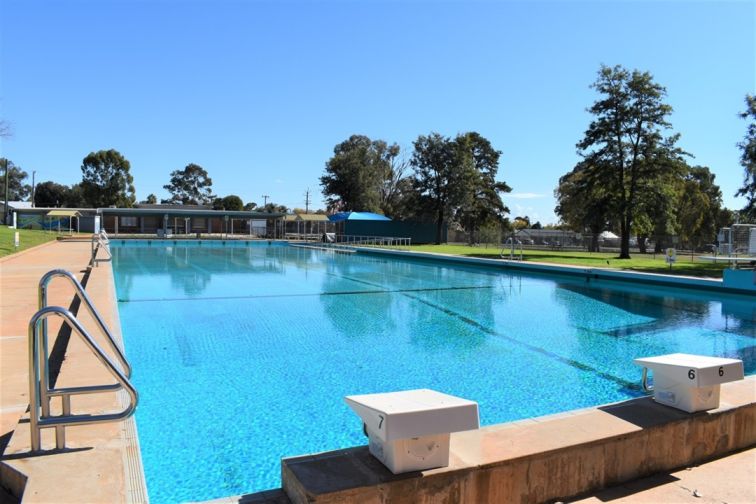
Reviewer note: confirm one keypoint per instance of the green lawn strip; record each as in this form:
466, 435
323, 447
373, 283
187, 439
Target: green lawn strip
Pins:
639, 262
28, 238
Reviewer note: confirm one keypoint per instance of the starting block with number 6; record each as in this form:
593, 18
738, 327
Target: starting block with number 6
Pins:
689, 382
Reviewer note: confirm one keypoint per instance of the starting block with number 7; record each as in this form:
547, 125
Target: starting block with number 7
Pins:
689, 382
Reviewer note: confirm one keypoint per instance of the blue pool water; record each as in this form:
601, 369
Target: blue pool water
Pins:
242, 353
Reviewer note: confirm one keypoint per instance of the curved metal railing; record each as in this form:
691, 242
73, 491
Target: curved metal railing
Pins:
644, 381
333, 240
100, 241
44, 283
40, 391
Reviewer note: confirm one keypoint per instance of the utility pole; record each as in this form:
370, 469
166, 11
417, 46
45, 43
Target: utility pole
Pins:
34, 186
265, 199
307, 201
7, 180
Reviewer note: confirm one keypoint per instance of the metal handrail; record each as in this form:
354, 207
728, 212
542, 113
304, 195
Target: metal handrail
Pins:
644, 381
391, 242
39, 385
103, 241
42, 296
515, 243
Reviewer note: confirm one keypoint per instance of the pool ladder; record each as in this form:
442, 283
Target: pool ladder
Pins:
100, 241
40, 391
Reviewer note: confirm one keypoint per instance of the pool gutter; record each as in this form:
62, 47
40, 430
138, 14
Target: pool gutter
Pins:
541, 459
708, 284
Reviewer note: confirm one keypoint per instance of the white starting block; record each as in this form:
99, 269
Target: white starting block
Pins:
689, 382
409, 431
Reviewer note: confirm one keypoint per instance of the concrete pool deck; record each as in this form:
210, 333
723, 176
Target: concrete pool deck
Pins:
100, 465
101, 462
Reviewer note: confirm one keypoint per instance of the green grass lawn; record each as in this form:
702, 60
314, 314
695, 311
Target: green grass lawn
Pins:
27, 238
638, 262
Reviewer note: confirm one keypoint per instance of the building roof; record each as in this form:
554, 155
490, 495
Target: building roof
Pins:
17, 204
45, 210
307, 218
178, 211
63, 213
363, 216
171, 206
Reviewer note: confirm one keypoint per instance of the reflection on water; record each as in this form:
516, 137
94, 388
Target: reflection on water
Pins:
440, 305
192, 268
271, 334
689, 321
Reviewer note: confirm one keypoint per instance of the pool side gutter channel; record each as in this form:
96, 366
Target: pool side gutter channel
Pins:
708, 284
540, 459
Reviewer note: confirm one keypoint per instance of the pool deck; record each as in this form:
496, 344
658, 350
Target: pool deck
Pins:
102, 463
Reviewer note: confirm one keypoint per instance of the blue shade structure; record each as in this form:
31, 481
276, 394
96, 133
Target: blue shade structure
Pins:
363, 216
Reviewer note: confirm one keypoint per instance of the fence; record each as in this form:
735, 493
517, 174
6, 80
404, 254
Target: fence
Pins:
555, 240
348, 241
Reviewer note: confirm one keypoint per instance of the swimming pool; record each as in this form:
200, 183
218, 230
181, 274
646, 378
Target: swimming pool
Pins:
242, 352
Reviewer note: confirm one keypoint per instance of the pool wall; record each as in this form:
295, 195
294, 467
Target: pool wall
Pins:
742, 283
540, 459
734, 281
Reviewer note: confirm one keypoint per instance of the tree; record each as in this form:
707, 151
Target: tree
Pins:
363, 175
74, 197
748, 160
106, 180
394, 184
5, 132
521, 223
231, 202
190, 186
151, 200
699, 207
50, 194
625, 137
484, 205
658, 196
17, 189
490, 233
250, 206
444, 178
583, 203
274, 208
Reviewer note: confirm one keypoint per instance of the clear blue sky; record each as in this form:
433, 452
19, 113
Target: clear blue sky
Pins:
258, 93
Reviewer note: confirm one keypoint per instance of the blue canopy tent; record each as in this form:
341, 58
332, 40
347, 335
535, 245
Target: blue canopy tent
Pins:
355, 216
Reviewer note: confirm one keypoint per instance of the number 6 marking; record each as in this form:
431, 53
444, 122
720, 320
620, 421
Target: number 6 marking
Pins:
692, 374
721, 370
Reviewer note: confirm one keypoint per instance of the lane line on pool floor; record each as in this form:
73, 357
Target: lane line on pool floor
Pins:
492, 332
312, 294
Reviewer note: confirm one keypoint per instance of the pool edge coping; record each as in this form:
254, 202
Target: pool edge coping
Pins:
369, 478
708, 284
135, 483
